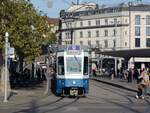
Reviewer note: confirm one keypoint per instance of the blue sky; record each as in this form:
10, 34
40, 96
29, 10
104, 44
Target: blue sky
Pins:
57, 5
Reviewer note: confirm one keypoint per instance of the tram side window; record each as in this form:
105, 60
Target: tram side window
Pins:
85, 68
60, 65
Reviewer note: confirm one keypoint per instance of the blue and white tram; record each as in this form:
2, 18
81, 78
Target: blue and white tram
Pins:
72, 77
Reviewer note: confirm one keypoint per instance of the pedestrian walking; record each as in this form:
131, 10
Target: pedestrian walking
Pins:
146, 81
49, 75
39, 75
112, 74
136, 74
130, 75
148, 73
94, 68
149, 80
125, 72
141, 84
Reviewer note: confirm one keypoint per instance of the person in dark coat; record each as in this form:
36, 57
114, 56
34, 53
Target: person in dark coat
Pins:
136, 74
130, 75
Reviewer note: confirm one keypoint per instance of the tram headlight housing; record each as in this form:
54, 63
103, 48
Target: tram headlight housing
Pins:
61, 82
74, 82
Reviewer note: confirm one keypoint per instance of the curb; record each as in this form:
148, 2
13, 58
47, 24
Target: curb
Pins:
115, 84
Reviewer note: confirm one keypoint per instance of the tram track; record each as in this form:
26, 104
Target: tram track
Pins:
127, 99
128, 95
61, 104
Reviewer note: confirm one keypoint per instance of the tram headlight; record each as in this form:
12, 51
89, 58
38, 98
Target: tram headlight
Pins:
63, 83
74, 82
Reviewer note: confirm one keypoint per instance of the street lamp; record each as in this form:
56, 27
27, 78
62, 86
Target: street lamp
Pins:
6, 76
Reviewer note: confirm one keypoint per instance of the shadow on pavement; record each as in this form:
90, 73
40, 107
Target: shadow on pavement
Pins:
35, 108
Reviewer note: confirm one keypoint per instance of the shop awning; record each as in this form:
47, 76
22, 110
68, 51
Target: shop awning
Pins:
144, 52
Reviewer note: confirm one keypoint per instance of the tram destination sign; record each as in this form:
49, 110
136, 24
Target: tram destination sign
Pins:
73, 49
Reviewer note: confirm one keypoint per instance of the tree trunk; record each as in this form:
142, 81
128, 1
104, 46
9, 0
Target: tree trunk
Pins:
1, 79
21, 65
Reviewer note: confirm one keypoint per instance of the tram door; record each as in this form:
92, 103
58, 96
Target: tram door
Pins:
60, 66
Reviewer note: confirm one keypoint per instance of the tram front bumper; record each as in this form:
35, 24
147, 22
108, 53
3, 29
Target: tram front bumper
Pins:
72, 82
72, 86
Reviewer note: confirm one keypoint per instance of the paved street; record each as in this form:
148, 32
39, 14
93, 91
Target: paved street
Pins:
102, 98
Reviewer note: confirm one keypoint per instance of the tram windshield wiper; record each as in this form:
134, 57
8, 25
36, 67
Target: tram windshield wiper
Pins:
77, 60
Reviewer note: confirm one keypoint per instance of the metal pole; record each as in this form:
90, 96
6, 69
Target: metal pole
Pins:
129, 5
35, 68
101, 64
116, 66
115, 48
6, 54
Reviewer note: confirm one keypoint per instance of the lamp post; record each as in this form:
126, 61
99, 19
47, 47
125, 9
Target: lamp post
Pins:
6, 76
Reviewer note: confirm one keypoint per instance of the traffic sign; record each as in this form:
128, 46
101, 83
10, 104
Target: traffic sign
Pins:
74, 49
11, 52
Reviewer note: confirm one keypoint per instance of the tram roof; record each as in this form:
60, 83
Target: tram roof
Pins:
144, 52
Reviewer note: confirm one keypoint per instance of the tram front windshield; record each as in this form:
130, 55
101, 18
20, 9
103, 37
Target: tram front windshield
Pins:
74, 64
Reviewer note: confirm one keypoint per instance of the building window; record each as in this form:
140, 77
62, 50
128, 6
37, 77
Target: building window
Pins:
114, 43
137, 20
81, 43
97, 43
69, 35
68, 42
125, 43
148, 42
137, 31
106, 21
105, 43
137, 42
69, 25
97, 33
89, 23
115, 21
126, 21
65, 42
81, 24
97, 22
66, 35
89, 34
114, 32
81, 34
89, 43
106, 33
148, 20
147, 31
125, 32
